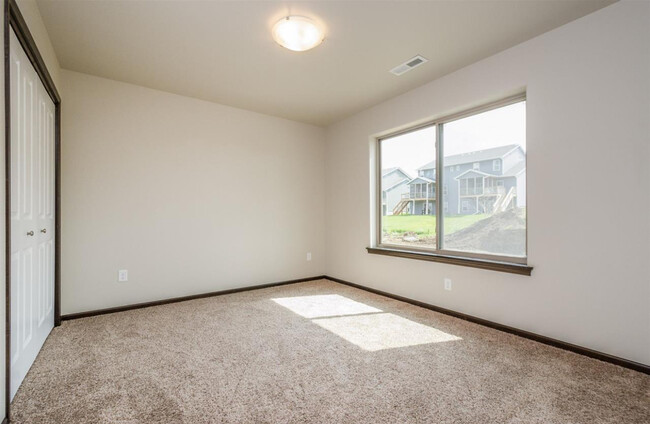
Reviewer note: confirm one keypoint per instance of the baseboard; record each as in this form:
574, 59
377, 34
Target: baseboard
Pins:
512, 330
637, 366
96, 312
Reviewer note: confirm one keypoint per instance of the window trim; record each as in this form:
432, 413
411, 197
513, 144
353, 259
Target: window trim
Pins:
430, 256
472, 259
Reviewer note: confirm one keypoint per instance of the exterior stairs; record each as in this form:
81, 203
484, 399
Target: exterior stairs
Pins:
399, 208
502, 202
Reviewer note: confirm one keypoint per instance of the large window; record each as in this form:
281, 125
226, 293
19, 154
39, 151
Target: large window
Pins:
475, 162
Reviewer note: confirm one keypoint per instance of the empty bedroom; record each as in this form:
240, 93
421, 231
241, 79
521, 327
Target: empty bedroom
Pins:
325, 211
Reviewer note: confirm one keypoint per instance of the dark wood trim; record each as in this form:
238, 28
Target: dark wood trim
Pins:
454, 260
13, 19
511, 330
96, 312
626, 363
57, 215
27, 41
7, 43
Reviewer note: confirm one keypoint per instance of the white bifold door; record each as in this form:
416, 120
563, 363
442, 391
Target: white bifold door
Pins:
32, 214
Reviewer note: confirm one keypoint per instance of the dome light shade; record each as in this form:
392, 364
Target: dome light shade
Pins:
297, 33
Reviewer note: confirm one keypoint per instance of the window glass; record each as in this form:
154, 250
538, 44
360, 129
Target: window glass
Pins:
486, 216
408, 186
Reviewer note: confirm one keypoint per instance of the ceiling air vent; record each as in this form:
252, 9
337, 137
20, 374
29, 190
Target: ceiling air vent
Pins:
413, 62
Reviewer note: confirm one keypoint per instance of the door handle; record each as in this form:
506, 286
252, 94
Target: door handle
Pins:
43, 231
31, 233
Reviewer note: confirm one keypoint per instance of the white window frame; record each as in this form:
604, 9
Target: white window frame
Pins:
496, 260
496, 165
476, 166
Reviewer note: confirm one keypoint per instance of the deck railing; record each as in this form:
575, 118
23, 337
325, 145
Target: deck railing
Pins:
419, 195
478, 191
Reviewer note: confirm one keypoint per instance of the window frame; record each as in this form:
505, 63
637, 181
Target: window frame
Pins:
514, 264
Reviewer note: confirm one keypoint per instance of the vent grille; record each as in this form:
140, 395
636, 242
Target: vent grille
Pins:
412, 63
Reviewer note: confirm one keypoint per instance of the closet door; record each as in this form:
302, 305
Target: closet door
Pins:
32, 214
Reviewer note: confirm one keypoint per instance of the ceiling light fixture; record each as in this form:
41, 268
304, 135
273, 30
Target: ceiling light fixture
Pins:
297, 33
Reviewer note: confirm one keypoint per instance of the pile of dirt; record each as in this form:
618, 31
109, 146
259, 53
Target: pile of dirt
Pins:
409, 239
502, 234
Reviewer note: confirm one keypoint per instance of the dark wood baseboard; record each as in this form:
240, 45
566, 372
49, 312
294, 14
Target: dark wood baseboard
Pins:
521, 333
183, 298
636, 366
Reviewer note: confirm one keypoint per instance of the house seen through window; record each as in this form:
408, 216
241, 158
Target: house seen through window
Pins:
483, 164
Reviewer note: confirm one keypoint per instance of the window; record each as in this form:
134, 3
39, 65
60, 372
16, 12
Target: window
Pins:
410, 219
480, 218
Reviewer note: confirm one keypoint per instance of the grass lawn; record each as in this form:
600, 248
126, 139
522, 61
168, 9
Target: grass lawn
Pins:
424, 225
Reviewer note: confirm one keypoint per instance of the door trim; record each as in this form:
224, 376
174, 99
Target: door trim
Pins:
13, 19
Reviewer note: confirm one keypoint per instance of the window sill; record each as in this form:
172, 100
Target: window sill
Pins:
512, 268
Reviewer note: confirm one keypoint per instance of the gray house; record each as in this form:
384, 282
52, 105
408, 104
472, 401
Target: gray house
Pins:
394, 183
484, 181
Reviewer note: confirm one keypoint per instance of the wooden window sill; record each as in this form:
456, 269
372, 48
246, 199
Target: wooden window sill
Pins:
512, 268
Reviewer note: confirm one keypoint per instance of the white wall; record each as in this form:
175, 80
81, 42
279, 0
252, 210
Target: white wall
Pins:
189, 196
588, 114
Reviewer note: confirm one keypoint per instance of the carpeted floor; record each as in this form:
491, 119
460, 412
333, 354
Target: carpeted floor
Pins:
316, 352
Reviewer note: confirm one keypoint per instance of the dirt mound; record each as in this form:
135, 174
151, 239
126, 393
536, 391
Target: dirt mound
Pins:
502, 234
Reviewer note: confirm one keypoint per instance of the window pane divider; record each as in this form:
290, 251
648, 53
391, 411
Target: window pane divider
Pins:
439, 199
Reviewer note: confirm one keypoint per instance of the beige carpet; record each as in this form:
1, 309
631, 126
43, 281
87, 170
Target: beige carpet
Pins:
315, 352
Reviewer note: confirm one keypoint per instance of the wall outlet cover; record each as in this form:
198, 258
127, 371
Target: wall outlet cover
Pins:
447, 283
122, 275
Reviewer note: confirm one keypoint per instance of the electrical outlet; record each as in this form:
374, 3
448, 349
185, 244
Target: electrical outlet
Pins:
122, 275
309, 256
448, 284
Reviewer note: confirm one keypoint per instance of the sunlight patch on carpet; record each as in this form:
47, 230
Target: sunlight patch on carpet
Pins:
327, 305
383, 331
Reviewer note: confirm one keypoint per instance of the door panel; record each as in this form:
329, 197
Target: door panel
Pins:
32, 214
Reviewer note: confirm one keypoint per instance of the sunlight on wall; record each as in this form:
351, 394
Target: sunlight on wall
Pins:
327, 305
369, 328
